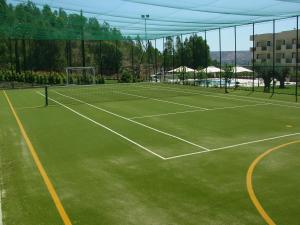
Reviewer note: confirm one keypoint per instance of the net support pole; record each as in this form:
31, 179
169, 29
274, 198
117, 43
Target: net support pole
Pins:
253, 46
181, 59
173, 61
116, 69
273, 78
148, 60
235, 72
297, 57
132, 66
82, 41
155, 58
24, 54
220, 54
70, 52
164, 60
194, 61
17, 57
46, 95
100, 56
10, 56
206, 59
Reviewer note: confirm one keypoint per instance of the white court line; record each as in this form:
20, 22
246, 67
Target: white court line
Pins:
133, 121
192, 111
160, 100
105, 127
232, 146
271, 102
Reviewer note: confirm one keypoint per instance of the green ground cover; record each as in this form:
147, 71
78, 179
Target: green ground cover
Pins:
93, 142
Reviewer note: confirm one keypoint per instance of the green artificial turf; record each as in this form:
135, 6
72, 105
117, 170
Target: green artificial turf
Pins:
103, 178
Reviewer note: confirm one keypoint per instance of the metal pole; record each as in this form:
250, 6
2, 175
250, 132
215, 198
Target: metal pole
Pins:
235, 73
101, 64
182, 61
148, 60
10, 57
220, 51
253, 46
164, 59
82, 41
116, 69
273, 88
17, 59
46, 95
132, 66
194, 61
206, 59
297, 58
173, 61
155, 61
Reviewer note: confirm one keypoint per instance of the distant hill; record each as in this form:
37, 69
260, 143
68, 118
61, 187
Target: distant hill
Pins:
243, 57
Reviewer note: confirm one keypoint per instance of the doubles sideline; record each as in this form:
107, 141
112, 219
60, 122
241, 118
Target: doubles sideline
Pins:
214, 95
64, 216
249, 182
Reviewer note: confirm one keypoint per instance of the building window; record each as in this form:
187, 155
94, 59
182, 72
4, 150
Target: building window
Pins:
268, 56
268, 43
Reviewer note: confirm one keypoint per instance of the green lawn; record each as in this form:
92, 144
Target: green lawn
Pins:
150, 154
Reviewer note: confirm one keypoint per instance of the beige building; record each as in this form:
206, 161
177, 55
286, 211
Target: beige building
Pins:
285, 48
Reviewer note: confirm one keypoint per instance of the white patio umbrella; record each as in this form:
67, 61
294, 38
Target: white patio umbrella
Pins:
181, 69
212, 69
240, 69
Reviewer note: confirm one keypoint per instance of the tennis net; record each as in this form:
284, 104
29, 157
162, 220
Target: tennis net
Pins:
81, 94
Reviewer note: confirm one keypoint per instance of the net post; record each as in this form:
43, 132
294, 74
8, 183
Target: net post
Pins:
46, 96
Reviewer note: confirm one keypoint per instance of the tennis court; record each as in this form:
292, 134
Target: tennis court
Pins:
150, 154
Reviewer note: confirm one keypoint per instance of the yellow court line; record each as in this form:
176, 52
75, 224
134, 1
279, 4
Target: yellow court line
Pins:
250, 190
40, 167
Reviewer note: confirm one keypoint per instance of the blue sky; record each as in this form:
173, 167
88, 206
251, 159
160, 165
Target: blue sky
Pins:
243, 34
